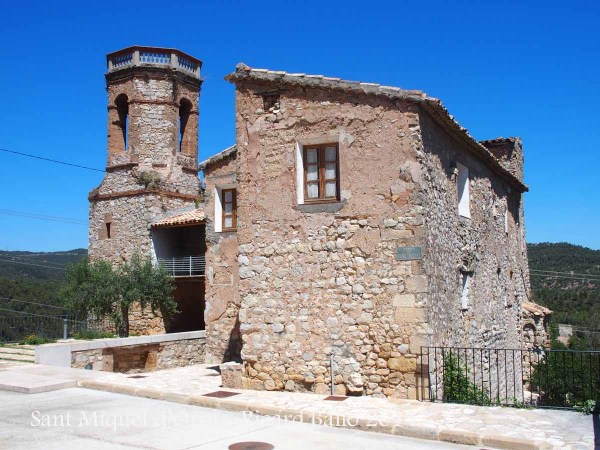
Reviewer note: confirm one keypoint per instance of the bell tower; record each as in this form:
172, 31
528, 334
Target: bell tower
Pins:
153, 111
152, 162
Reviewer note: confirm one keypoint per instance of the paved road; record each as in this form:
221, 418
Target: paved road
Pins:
89, 420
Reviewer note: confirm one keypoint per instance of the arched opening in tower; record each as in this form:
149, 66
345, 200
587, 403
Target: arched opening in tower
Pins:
122, 104
185, 144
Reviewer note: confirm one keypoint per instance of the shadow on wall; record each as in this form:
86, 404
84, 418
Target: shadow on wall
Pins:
233, 350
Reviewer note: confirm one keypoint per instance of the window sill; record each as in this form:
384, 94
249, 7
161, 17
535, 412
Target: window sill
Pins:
321, 207
228, 230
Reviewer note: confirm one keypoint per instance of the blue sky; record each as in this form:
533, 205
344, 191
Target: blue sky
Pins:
502, 68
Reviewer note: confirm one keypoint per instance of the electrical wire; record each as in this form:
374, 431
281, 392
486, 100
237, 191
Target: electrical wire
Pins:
51, 160
31, 264
588, 275
564, 277
41, 216
32, 303
30, 314
18, 259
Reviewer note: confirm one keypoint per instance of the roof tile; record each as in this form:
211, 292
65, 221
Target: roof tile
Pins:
196, 216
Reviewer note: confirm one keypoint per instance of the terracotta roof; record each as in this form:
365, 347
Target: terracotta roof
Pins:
219, 156
196, 216
432, 105
536, 309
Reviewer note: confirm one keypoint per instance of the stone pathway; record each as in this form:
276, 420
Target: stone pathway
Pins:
475, 425
30, 378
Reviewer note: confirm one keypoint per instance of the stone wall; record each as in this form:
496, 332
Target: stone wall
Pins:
149, 177
143, 357
222, 276
535, 320
495, 260
320, 280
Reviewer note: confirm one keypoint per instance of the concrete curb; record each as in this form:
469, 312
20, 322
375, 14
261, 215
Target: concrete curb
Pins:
307, 415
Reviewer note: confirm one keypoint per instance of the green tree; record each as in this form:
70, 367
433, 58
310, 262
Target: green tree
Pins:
98, 289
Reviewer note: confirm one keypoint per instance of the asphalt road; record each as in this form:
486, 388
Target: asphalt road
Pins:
84, 419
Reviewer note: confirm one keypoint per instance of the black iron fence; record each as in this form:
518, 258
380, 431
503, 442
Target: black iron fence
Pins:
22, 318
510, 377
16, 326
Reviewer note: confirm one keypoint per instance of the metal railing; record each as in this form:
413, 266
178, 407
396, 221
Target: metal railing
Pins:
184, 266
509, 377
16, 326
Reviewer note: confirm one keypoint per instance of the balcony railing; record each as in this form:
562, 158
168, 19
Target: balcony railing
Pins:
184, 266
154, 56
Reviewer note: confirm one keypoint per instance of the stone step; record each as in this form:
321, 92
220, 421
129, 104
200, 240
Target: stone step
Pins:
26, 347
17, 350
16, 357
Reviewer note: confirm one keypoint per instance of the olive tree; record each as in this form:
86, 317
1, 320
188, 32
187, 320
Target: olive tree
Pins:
97, 289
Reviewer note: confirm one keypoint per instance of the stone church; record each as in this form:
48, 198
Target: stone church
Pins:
350, 220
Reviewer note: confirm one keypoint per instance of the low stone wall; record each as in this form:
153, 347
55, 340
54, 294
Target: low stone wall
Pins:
142, 358
127, 355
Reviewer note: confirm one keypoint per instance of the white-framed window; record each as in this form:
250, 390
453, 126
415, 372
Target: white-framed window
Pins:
462, 186
465, 281
225, 208
317, 170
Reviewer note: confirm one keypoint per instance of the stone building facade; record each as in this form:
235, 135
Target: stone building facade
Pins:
152, 164
350, 225
386, 265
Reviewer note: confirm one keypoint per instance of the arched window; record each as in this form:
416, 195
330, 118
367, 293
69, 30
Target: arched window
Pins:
185, 107
122, 104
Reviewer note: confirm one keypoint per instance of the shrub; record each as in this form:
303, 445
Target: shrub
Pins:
151, 179
33, 339
567, 378
457, 386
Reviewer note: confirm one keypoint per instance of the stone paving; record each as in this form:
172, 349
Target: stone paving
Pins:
462, 424
30, 378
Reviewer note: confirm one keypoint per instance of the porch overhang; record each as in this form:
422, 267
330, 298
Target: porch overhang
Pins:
188, 218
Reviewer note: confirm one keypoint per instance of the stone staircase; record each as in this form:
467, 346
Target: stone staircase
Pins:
18, 353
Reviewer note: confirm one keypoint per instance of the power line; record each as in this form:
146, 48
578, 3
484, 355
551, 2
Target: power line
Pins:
17, 258
563, 277
41, 216
545, 275
51, 160
31, 264
566, 273
30, 314
32, 303
586, 331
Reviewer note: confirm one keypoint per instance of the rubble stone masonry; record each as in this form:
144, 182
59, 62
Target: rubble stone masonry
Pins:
222, 276
148, 172
316, 280
297, 287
